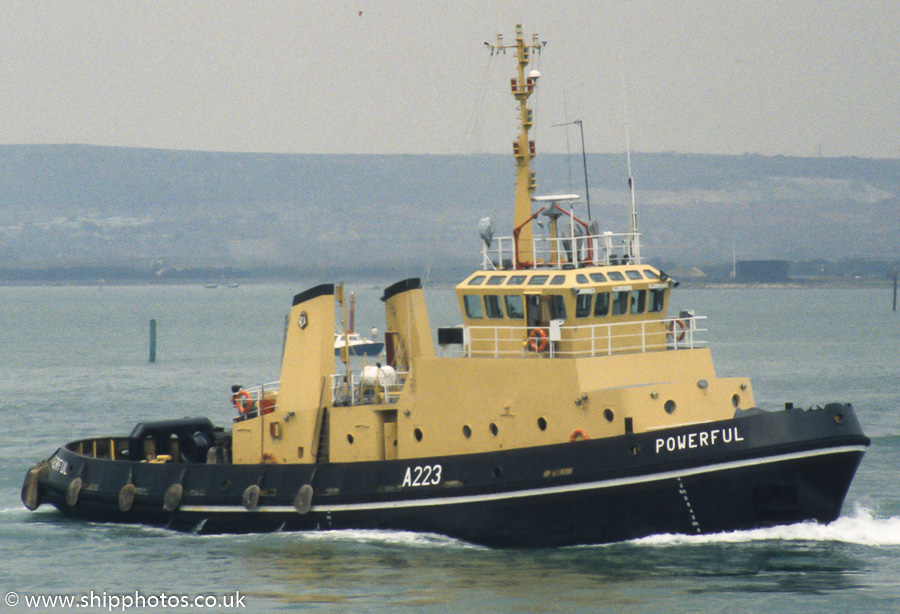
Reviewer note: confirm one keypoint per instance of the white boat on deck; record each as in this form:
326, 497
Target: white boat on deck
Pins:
357, 345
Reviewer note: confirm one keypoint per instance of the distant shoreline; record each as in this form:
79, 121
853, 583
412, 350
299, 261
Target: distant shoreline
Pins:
302, 278
834, 284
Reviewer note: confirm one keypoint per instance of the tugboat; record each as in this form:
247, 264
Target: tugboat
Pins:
573, 411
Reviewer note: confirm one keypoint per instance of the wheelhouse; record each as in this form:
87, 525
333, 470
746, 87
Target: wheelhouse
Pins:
571, 312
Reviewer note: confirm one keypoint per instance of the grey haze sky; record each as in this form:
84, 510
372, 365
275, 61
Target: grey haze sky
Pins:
723, 77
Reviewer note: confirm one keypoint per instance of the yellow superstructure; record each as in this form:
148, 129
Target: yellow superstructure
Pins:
565, 336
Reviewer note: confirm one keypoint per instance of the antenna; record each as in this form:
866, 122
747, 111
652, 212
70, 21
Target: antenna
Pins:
587, 192
635, 247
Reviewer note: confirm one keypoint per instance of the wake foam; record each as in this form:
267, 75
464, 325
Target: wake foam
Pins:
397, 538
859, 528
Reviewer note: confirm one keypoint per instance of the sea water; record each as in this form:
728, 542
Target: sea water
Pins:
74, 363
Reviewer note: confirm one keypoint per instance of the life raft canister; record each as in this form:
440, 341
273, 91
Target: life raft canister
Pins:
537, 340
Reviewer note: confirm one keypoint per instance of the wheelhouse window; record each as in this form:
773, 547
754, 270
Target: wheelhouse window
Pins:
558, 280
516, 280
538, 280
514, 306
583, 305
601, 305
557, 307
473, 306
476, 281
533, 311
657, 300
496, 280
620, 302
616, 276
492, 306
650, 274
598, 277
638, 301
581, 279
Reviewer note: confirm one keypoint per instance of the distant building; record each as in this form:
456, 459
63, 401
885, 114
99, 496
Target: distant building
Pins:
762, 271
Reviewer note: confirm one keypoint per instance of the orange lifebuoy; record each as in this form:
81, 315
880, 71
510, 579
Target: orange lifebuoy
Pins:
578, 435
537, 340
244, 401
677, 324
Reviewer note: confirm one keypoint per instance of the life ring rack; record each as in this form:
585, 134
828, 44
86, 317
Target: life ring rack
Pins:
537, 340
578, 435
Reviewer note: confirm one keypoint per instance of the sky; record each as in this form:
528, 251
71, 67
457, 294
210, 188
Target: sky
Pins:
775, 77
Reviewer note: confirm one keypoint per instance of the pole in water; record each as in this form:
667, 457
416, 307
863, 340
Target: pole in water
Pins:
153, 340
895, 288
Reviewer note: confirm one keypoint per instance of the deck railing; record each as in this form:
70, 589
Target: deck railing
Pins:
585, 340
595, 250
262, 391
364, 387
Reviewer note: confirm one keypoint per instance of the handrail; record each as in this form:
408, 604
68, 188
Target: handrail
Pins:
592, 250
580, 341
258, 392
359, 390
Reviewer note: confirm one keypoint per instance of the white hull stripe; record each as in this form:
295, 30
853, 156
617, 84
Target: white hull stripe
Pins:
532, 492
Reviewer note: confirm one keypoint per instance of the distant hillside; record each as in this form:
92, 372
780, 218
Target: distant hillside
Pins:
84, 205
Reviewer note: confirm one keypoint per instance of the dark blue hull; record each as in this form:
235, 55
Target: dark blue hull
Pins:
758, 470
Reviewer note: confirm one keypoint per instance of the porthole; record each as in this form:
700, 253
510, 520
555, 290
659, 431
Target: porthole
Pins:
497, 472
417, 433
349, 438
609, 414
494, 429
467, 431
670, 406
542, 423
736, 400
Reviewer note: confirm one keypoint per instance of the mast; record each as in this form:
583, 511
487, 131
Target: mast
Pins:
523, 148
